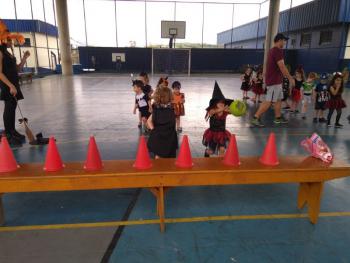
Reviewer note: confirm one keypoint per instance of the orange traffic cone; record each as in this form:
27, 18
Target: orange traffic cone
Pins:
53, 162
7, 160
231, 157
93, 160
269, 156
184, 159
142, 158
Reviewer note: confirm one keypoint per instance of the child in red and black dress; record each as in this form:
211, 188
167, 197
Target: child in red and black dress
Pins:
178, 103
257, 86
246, 82
296, 91
216, 137
336, 102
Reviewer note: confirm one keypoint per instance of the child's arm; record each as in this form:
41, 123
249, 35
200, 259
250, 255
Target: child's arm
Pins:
242, 78
150, 109
334, 91
314, 94
135, 107
150, 123
183, 98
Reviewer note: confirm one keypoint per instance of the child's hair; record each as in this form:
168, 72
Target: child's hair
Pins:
143, 74
163, 96
137, 83
312, 75
163, 82
337, 76
259, 73
176, 84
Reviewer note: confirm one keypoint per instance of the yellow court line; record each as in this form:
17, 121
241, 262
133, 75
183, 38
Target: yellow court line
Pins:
168, 220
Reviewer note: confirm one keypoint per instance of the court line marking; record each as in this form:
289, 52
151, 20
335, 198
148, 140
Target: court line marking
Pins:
168, 221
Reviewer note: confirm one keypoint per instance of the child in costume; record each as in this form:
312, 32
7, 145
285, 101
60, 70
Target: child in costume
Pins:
321, 96
178, 103
307, 90
296, 93
257, 84
163, 141
246, 82
336, 102
216, 136
142, 102
147, 89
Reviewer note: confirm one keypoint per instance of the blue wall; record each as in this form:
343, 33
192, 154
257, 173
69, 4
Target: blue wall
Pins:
28, 25
137, 59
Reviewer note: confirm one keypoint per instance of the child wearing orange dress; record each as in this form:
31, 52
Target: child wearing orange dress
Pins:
178, 104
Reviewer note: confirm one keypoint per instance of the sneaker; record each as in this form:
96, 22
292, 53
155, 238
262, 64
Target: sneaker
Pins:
348, 118
322, 120
139, 125
280, 120
179, 129
257, 122
329, 124
304, 117
315, 120
338, 125
259, 101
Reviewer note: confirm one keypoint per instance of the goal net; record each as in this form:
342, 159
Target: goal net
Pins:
171, 61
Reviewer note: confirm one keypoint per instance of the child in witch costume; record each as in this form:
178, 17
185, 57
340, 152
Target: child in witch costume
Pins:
296, 91
162, 141
246, 82
336, 102
257, 85
216, 137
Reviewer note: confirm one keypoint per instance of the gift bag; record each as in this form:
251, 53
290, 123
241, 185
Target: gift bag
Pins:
318, 148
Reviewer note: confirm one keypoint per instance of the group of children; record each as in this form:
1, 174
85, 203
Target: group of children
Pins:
159, 113
325, 94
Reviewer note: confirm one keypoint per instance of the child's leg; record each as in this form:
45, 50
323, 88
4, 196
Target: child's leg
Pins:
156, 157
304, 108
140, 120
221, 150
330, 113
339, 112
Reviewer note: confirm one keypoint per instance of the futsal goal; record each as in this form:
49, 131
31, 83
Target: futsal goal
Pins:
171, 61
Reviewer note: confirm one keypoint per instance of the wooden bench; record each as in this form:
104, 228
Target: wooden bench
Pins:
309, 173
25, 76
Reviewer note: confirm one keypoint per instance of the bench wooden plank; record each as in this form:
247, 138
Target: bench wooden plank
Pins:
309, 172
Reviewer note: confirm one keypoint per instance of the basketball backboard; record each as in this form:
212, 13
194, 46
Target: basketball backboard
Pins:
174, 29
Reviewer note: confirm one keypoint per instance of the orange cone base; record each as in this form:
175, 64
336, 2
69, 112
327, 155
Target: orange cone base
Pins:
184, 165
273, 163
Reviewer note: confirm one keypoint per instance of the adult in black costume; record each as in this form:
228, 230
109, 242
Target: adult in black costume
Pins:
9, 85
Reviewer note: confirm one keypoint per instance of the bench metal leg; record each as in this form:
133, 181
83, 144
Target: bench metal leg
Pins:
311, 194
2, 213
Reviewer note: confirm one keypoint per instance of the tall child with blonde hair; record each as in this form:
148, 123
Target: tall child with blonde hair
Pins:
162, 141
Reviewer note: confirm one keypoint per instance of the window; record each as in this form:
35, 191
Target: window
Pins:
26, 43
305, 40
326, 37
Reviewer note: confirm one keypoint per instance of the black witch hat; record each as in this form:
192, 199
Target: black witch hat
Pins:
217, 97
